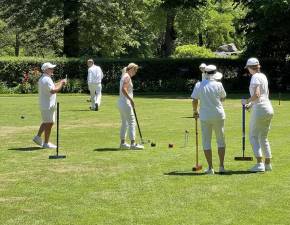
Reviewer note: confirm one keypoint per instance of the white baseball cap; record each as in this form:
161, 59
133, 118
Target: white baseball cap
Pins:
47, 65
203, 65
212, 73
252, 62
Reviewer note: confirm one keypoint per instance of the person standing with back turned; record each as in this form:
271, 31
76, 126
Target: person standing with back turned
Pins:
261, 116
95, 76
126, 105
212, 116
47, 101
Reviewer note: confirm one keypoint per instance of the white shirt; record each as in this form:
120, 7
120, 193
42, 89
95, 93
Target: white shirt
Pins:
46, 99
123, 98
95, 75
262, 105
210, 92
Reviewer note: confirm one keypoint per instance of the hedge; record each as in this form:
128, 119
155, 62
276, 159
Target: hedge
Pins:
155, 75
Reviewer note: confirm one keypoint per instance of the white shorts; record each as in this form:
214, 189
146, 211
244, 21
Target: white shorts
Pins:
207, 126
48, 116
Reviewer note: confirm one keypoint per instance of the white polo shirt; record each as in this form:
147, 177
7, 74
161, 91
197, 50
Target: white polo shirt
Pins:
95, 75
47, 100
210, 92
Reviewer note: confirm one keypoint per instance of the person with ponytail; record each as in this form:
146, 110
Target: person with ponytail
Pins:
126, 105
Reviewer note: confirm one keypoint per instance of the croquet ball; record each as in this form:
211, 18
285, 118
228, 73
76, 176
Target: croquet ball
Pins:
22, 117
153, 144
170, 145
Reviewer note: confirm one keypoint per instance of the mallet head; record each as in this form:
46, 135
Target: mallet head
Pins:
197, 168
244, 158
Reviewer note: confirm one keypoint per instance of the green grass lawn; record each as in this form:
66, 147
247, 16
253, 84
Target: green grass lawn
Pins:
99, 184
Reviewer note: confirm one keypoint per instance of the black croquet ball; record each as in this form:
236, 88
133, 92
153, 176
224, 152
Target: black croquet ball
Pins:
22, 117
153, 144
170, 145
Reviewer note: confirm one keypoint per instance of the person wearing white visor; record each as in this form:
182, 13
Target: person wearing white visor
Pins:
211, 93
126, 105
47, 102
261, 116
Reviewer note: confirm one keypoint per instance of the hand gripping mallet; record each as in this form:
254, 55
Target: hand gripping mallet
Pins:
197, 166
57, 156
244, 158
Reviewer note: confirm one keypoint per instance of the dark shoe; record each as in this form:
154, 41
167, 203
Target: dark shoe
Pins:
96, 107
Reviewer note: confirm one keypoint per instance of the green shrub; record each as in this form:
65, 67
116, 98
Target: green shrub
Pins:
176, 75
193, 51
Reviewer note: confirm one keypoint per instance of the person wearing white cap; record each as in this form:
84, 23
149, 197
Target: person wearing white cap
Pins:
261, 116
211, 93
95, 76
47, 102
126, 105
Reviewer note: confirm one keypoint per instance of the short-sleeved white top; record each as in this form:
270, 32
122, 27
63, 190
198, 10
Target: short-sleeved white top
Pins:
95, 75
210, 92
262, 105
46, 99
123, 98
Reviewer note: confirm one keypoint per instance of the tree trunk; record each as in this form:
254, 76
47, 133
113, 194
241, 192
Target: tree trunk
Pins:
200, 39
71, 31
170, 35
17, 44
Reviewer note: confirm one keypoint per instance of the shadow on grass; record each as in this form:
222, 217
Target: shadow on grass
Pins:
236, 172
184, 173
187, 117
80, 110
191, 173
27, 149
109, 149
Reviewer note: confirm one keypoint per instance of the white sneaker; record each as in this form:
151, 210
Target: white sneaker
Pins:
37, 140
222, 169
136, 147
268, 167
259, 167
49, 145
124, 146
209, 171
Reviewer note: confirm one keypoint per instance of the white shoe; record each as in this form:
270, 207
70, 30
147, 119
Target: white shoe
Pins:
136, 147
49, 145
222, 169
37, 140
259, 167
124, 146
209, 171
268, 167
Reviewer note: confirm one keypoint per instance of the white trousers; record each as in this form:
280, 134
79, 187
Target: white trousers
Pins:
259, 128
128, 121
96, 94
207, 126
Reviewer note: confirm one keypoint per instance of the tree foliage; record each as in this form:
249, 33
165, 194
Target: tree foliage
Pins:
267, 28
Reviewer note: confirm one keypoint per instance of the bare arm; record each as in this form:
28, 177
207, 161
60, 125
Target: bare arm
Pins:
194, 108
58, 86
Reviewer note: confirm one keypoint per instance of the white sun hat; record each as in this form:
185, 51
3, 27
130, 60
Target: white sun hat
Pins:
47, 65
252, 62
212, 73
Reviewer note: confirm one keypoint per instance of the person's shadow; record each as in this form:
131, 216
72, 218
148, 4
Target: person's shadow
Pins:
26, 149
109, 149
192, 173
